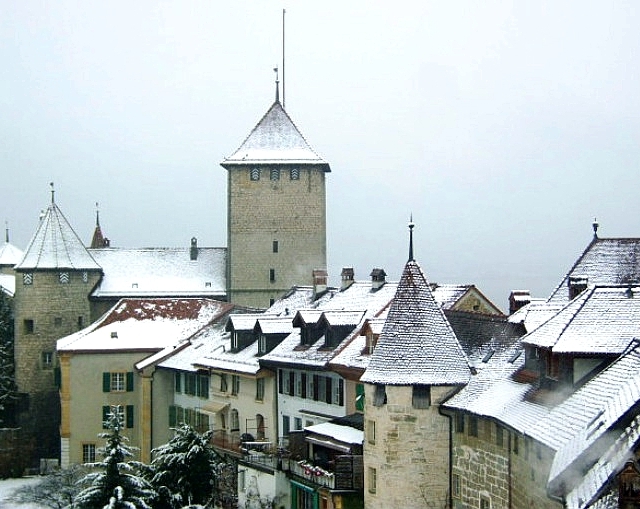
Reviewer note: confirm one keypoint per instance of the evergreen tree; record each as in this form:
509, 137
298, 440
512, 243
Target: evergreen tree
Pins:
185, 469
7, 373
115, 483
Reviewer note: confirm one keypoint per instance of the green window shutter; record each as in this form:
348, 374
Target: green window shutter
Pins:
172, 416
106, 382
105, 415
129, 381
129, 416
360, 397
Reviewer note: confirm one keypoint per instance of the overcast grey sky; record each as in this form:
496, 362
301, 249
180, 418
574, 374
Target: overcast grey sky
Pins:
504, 127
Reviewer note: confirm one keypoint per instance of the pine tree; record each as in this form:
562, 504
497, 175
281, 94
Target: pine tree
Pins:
186, 468
116, 482
7, 374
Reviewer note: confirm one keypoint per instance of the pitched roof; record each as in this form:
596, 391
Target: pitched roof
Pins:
275, 140
603, 262
601, 320
56, 246
144, 325
10, 254
417, 344
161, 272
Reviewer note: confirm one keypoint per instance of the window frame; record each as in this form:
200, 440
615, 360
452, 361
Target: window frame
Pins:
88, 453
260, 389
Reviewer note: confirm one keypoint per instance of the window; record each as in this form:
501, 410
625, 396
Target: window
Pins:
235, 420
241, 480
125, 415
286, 425
63, 277
338, 393
260, 389
297, 423
262, 344
499, 436
80, 322
459, 423
57, 321
272, 275
322, 389
455, 488
260, 433
380, 395
118, 381
485, 503
254, 173
223, 383
516, 446
298, 388
190, 383
373, 480
274, 174
27, 278
88, 453
47, 360
421, 397
28, 326
275, 246
473, 426
294, 174
371, 431
235, 385
177, 377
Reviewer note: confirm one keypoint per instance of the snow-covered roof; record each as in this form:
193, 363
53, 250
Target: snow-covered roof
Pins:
10, 255
56, 246
601, 320
604, 262
275, 140
417, 344
160, 272
243, 322
345, 434
448, 294
275, 325
8, 284
144, 325
535, 313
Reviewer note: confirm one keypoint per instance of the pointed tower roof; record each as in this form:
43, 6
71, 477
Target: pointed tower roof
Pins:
9, 254
55, 245
275, 140
417, 345
98, 240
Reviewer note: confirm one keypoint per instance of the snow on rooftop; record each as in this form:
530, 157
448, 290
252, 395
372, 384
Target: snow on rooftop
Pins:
156, 272
144, 324
535, 313
10, 255
275, 139
8, 284
345, 434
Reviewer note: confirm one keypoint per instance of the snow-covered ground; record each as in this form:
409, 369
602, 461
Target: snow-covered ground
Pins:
8, 486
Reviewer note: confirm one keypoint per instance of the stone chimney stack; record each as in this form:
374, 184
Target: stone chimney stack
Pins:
193, 255
347, 276
319, 282
378, 278
517, 299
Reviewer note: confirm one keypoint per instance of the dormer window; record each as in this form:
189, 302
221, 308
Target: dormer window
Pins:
262, 344
576, 286
254, 173
371, 342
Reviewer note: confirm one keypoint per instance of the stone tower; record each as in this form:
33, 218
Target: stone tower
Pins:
53, 283
416, 365
276, 211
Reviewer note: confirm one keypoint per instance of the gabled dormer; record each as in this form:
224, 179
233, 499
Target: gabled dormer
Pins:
371, 330
270, 332
336, 325
307, 321
241, 327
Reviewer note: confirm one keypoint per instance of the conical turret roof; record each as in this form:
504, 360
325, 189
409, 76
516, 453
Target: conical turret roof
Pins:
275, 140
9, 254
417, 345
56, 246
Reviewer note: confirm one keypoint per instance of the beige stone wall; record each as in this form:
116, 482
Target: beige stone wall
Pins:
291, 212
485, 469
55, 310
410, 453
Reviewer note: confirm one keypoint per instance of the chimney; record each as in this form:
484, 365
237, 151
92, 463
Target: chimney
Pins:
346, 275
194, 249
577, 285
319, 282
377, 278
518, 299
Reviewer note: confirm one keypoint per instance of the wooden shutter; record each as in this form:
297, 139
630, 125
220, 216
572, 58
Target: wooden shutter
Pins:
106, 382
129, 416
292, 383
341, 392
129, 381
172, 416
280, 381
303, 382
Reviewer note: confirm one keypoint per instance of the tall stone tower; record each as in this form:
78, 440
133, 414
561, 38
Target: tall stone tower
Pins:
53, 283
276, 211
416, 365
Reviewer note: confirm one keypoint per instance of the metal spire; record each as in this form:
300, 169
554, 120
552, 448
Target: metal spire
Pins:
595, 228
411, 226
97, 215
6, 231
53, 192
275, 69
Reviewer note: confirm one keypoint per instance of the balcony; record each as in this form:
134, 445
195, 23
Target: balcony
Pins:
347, 472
